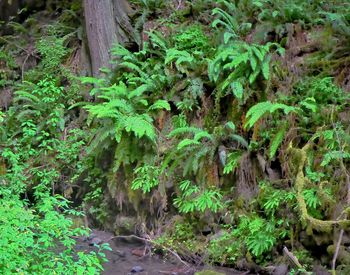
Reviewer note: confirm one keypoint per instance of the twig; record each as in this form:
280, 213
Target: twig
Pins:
336, 252
347, 179
23, 64
154, 243
179, 4
294, 260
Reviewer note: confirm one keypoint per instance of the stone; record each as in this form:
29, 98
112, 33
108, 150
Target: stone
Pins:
136, 269
120, 253
209, 272
281, 269
95, 241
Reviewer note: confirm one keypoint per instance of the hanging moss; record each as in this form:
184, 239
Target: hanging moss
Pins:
299, 157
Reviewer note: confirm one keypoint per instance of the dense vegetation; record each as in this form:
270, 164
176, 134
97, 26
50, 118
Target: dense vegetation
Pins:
221, 133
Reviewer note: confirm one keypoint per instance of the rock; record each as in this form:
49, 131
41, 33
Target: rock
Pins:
209, 272
320, 270
125, 225
218, 235
206, 231
95, 241
121, 254
281, 269
139, 252
90, 237
136, 269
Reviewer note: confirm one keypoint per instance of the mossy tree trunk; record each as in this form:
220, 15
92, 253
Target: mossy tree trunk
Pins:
106, 22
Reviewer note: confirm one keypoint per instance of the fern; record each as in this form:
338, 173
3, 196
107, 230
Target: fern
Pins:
259, 110
235, 64
146, 178
127, 110
184, 130
311, 198
232, 162
276, 141
193, 199
334, 155
140, 125
160, 104
227, 21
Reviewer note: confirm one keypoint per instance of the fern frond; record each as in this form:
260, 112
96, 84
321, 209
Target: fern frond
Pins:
334, 155
276, 141
187, 142
138, 91
104, 133
184, 130
260, 109
157, 40
160, 104
140, 125
203, 134
179, 57
203, 151
26, 96
240, 140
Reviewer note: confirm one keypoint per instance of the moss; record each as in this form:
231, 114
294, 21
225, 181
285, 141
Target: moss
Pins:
298, 161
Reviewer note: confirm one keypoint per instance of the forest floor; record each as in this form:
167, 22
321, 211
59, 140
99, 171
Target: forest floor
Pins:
125, 258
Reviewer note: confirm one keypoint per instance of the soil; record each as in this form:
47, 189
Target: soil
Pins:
127, 257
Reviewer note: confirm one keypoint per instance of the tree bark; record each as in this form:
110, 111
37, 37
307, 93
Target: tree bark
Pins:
107, 23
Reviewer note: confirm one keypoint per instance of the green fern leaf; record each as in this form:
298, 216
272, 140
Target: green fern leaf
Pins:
160, 104
276, 141
232, 162
186, 142
184, 130
266, 68
237, 89
260, 109
334, 155
203, 134
140, 125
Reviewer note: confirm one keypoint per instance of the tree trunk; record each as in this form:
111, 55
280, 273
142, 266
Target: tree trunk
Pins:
107, 23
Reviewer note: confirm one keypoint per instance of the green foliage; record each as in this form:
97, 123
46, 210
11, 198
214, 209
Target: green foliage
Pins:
232, 162
193, 199
260, 238
276, 141
146, 178
122, 108
192, 39
259, 110
41, 240
239, 64
52, 50
226, 20
311, 198
191, 121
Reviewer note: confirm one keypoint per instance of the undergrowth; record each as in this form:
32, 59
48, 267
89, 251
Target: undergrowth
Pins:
233, 115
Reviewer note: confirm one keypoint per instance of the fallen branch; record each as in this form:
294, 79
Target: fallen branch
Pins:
347, 177
336, 252
293, 259
154, 243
